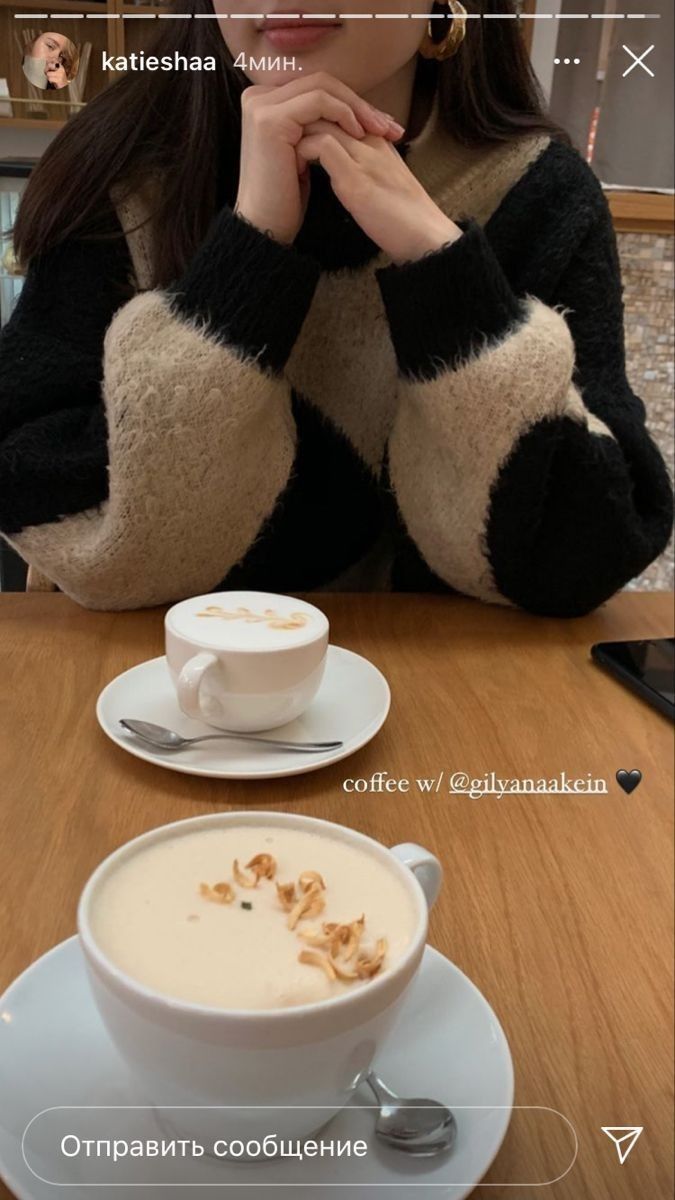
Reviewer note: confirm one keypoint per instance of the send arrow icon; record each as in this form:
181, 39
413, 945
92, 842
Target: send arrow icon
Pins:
624, 1138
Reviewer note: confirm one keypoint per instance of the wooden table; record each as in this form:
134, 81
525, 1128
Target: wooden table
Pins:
558, 907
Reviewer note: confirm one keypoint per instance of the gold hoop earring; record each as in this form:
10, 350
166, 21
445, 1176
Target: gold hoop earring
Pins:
453, 39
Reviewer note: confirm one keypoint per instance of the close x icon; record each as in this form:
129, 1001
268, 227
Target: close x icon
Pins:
638, 61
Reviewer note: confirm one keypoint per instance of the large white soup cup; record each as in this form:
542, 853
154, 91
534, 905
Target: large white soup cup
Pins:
311, 1055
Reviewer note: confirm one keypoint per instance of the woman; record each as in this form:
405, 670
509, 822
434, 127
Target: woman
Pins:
328, 350
52, 62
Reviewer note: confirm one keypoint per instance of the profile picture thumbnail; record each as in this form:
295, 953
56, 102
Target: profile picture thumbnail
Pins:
51, 61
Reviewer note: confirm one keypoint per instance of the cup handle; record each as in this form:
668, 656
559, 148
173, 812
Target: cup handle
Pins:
189, 683
424, 866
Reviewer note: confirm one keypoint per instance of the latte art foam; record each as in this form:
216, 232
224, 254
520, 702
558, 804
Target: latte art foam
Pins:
248, 616
248, 621
253, 917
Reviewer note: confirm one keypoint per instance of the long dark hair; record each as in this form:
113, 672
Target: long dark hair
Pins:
187, 125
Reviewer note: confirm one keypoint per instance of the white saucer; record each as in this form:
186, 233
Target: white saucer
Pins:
350, 706
54, 1052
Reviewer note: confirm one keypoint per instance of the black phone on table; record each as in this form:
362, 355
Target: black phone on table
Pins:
648, 667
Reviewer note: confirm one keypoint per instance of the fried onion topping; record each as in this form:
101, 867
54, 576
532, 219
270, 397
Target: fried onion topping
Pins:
220, 893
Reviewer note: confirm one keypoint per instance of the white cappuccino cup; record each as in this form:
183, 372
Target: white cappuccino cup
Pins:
245, 661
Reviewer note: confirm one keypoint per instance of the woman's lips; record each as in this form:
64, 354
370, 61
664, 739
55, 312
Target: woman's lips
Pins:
296, 37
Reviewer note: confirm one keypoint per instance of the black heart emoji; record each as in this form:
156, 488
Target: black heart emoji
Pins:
628, 780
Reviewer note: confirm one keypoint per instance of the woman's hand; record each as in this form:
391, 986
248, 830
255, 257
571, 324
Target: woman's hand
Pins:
374, 184
56, 74
273, 185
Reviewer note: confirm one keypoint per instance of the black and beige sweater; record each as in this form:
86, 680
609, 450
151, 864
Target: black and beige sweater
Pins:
314, 416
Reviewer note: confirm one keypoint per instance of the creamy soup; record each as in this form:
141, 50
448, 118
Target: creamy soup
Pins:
253, 917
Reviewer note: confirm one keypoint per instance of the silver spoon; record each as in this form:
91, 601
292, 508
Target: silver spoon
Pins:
421, 1127
166, 739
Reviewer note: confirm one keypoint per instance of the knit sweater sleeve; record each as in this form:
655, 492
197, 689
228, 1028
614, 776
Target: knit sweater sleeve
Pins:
144, 441
519, 461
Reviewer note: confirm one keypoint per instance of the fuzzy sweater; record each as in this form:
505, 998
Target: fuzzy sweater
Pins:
314, 416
